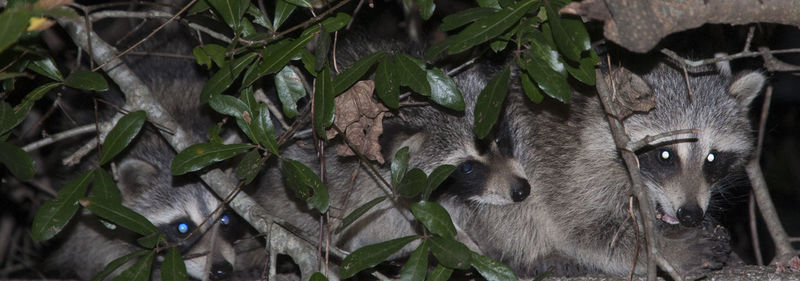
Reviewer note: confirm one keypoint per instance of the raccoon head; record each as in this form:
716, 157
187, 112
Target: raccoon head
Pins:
184, 213
681, 176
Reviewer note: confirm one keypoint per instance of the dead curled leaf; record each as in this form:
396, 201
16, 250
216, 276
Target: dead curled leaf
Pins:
361, 119
632, 93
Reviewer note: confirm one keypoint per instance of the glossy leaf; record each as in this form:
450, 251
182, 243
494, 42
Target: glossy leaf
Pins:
492, 270
199, 7
264, 130
139, 271
17, 161
434, 217
225, 76
228, 105
86, 80
369, 256
150, 240
259, 17
323, 102
440, 273
542, 64
464, 17
426, 8
321, 49
569, 33
411, 75
413, 183
46, 67
490, 101
290, 90
444, 90
282, 12
200, 155
104, 187
358, 212
232, 11
55, 214
173, 268
399, 165
349, 76
450, 253
117, 263
119, 215
490, 26
300, 3
276, 56
318, 277
386, 83
417, 265
533, 93
584, 71
299, 178
489, 4
21, 110
8, 119
13, 23
248, 168
209, 52
121, 135
436, 178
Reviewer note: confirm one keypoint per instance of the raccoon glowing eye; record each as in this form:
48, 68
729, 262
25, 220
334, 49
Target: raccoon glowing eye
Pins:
664, 154
225, 220
710, 157
183, 228
466, 168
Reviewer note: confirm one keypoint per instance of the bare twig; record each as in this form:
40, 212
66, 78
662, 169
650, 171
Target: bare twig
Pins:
743, 54
636, 247
686, 134
751, 211
60, 136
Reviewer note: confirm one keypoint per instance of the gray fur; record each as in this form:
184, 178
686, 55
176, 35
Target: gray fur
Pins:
577, 214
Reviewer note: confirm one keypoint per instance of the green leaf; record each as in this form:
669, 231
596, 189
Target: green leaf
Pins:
300, 3
122, 134
464, 17
436, 178
333, 24
584, 72
491, 26
104, 187
434, 217
290, 90
17, 161
308, 61
140, 271
22, 109
232, 11
450, 253
440, 273
353, 73
149, 241
541, 62
299, 178
386, 84
399, 165
248, 30
276, 56
282, 12
55, 214
224, 77
214, 52
228, 105
438, 48
318, 277
411, 75
489, 4
117, 263
248, 168
412, 183
417, 265
119, 215
259, 17
264, 130
323, 102
358, 212
200, 155
13, 23
46, 67
199, 7
444, 90
569, 33
201, 57
426, 8
86, 80
8, 120
490, 101
492, 270
530, 89
173, 268
369, 256
321, 49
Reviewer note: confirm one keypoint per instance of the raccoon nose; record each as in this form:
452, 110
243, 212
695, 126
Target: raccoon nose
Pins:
520, 189
221, 271
690, 215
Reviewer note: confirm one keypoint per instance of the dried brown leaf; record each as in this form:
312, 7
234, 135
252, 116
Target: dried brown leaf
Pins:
361, 118
632, 93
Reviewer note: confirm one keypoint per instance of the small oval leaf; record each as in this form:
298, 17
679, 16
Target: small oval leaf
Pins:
248, 168
119, 215
228, 105
492, 270
490, 26
318, 277
568, 32
282, 12
46, 67
434, 217
22, 109
323, 102
276, 56
355, 71
17, 161
55, 214
358, 212
444, 90
436, 178
426, 8
369, 256
490, 100
299, 178
533, 92
13, 23
139, 271
290, 90
225, 76
412, 75
464, 17
386, 83
86, 80
104, 187
231, 11
173, 268
450, 253
413, 183
440, 273
399, 165
198, 156
417, 265
121, 135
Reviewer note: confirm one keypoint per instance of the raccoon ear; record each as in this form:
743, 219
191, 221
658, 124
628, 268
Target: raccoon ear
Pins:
745, 87
134, 177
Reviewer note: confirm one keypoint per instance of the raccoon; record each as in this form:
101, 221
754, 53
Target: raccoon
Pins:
576, 220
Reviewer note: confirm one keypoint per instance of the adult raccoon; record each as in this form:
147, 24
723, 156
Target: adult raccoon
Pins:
576, 220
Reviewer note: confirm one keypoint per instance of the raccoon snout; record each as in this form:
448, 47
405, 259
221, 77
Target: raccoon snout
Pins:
690, 215
520, 189
221, 271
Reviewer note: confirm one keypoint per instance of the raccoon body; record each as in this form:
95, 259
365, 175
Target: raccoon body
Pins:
577, 220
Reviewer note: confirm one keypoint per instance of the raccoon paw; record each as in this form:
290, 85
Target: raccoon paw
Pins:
697, 249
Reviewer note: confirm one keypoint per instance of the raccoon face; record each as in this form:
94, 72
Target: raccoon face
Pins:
681, 176
183, 213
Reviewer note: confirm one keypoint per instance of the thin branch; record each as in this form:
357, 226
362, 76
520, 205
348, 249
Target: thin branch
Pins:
751, 211
679, 135
59, 136
743, 54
